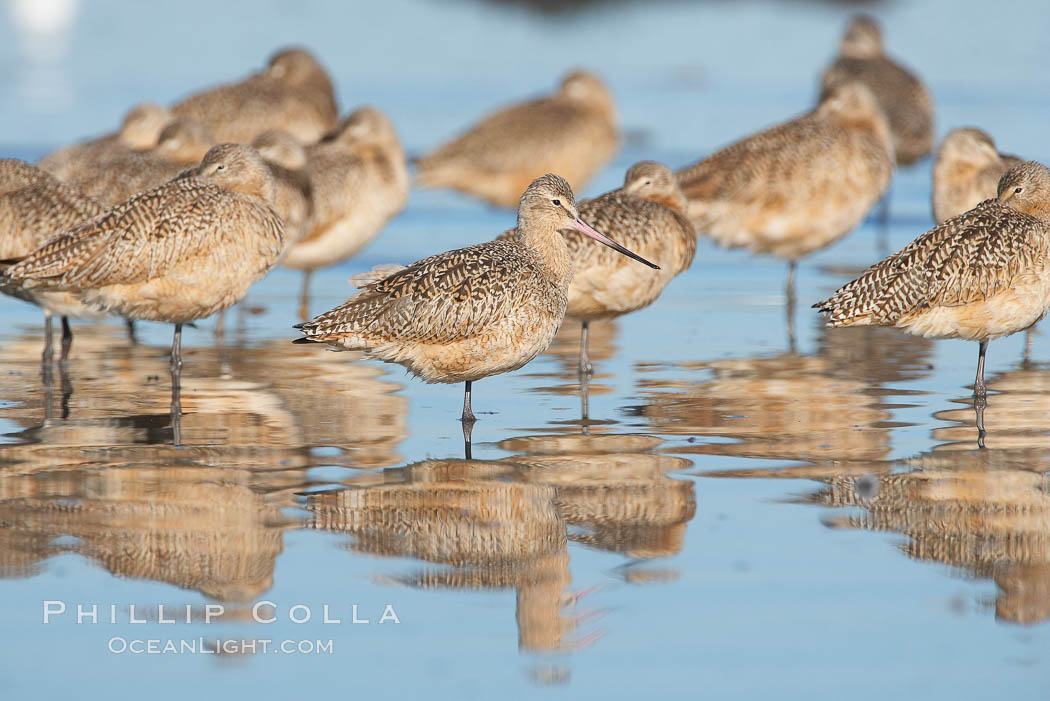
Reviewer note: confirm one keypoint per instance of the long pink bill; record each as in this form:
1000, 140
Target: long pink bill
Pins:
586, 230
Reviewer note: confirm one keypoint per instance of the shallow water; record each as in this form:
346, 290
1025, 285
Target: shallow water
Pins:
733, 516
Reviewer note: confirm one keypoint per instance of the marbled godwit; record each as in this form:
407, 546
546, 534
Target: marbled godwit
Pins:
966, 172
176, 253
797, 187
286, 158
358, 181
573, 132
647, 215
34, 205
294, 93
117, 178
902, 96
904, 99
474, 312
141, 129
979, 276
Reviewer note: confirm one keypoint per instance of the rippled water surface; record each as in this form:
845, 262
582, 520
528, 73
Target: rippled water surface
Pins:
722, 512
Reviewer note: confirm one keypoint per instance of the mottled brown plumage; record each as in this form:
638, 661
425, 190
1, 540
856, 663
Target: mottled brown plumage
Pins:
140, 130
177, 253
470, 313
980, 276
121, 175
34, 206
903, 97
294, 93
647, 215
293, 199
799, 186
280, 147
966, 171
573, 132
358, 182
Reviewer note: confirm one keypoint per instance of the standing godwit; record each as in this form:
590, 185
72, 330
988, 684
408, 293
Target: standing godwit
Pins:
573, 132
35, 205
966, 172
141, 129
358, 181
294, 93
797, 187
474, 312
981, 275
176, 253
903, 97
120, 176
647, 215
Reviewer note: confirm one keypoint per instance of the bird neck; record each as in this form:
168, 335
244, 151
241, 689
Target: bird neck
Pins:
673, 199
550, 249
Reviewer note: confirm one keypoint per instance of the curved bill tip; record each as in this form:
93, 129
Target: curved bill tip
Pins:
586, 230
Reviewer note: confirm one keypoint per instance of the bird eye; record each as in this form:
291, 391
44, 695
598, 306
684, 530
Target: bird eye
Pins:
221, 166
1017, 190
556, 203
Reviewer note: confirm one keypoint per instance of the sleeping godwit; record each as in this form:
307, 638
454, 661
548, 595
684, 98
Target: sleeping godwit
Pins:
358, 181
797, 187
294, 93
573, 132
34, 205
176, 253
966, 172
647, 215
117, 178
141, 129
286, 158
902, 96
979, 276
474, 312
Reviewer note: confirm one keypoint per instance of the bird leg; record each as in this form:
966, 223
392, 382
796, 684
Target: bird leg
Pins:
176, 386
129, 324
882, 243
789, 295
979, 389
67, 340
304, 297
67, 389
585, 361
585, 408
48, 349
468, 420
220, 325
468, 415
979, 403
1026, 359
980, 395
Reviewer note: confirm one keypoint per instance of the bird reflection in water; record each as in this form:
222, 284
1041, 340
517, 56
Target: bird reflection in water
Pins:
826, 406
217, 531
263, 402
505, 524
87, 475
983, 512
565, 348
